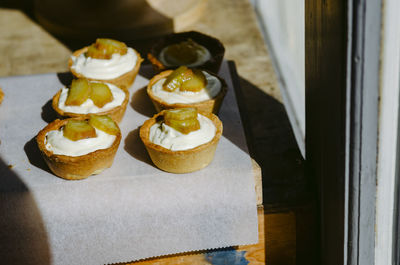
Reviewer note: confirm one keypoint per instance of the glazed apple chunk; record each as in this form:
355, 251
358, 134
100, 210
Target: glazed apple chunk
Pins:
184, 52
81, 129
104, 123
194, 81
78, 93
183, 120
105, 48
100, 94
174, 80
77, 130
81, 90
185, 79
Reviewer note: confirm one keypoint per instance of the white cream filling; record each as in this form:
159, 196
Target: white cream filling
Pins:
167, 137
210, 91
88, 106
203, 55
104, 69
59, 145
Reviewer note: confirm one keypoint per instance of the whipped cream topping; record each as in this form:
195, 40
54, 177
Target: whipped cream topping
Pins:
167, 137
203, 55
104, 69
88, 106
60, 145
210, 91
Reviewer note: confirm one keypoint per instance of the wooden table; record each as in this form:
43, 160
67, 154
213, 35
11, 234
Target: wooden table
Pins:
287, 224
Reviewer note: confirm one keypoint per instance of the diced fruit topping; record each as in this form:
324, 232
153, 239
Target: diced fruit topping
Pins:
180, 114
183, 120
185, 79
100, 94
78, 93
185, 52
174, 80
185, 126
82, 89
76, 130
104, 123
195, 83
105, 48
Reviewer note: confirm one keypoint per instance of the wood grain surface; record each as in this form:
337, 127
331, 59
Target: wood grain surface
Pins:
184, 13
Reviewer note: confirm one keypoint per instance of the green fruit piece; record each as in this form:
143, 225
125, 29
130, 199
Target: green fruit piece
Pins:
111, 46
105, 48
185, 126
78, 93
174, 80
182, 53
183, 120
195, 83
100, 94
77, 130
104, 123
180, 114
95, 53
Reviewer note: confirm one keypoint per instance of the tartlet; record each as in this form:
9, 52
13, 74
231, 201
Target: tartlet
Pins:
116, 113
213, 45
208, 106
123, 80
182, 161
76, 167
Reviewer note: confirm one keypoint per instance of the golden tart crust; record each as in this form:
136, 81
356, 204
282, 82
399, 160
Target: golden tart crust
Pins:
208, 106
183, 161
76, 167
125, 80
116, 113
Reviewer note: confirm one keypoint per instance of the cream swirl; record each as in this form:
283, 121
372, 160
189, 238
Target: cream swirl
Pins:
210, 91
60, 145
104, 69
167, 137
88, 106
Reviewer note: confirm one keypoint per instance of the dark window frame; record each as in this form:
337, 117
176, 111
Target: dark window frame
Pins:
342, 89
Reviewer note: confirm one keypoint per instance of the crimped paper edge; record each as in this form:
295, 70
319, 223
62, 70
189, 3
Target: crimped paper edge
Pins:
185, 253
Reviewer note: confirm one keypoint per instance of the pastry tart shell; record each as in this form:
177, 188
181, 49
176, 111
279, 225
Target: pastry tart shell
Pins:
207, 106
125, 80
76, 167
116, 113
183, 161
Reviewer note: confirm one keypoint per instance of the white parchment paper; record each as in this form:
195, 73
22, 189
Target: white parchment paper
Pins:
128, 212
